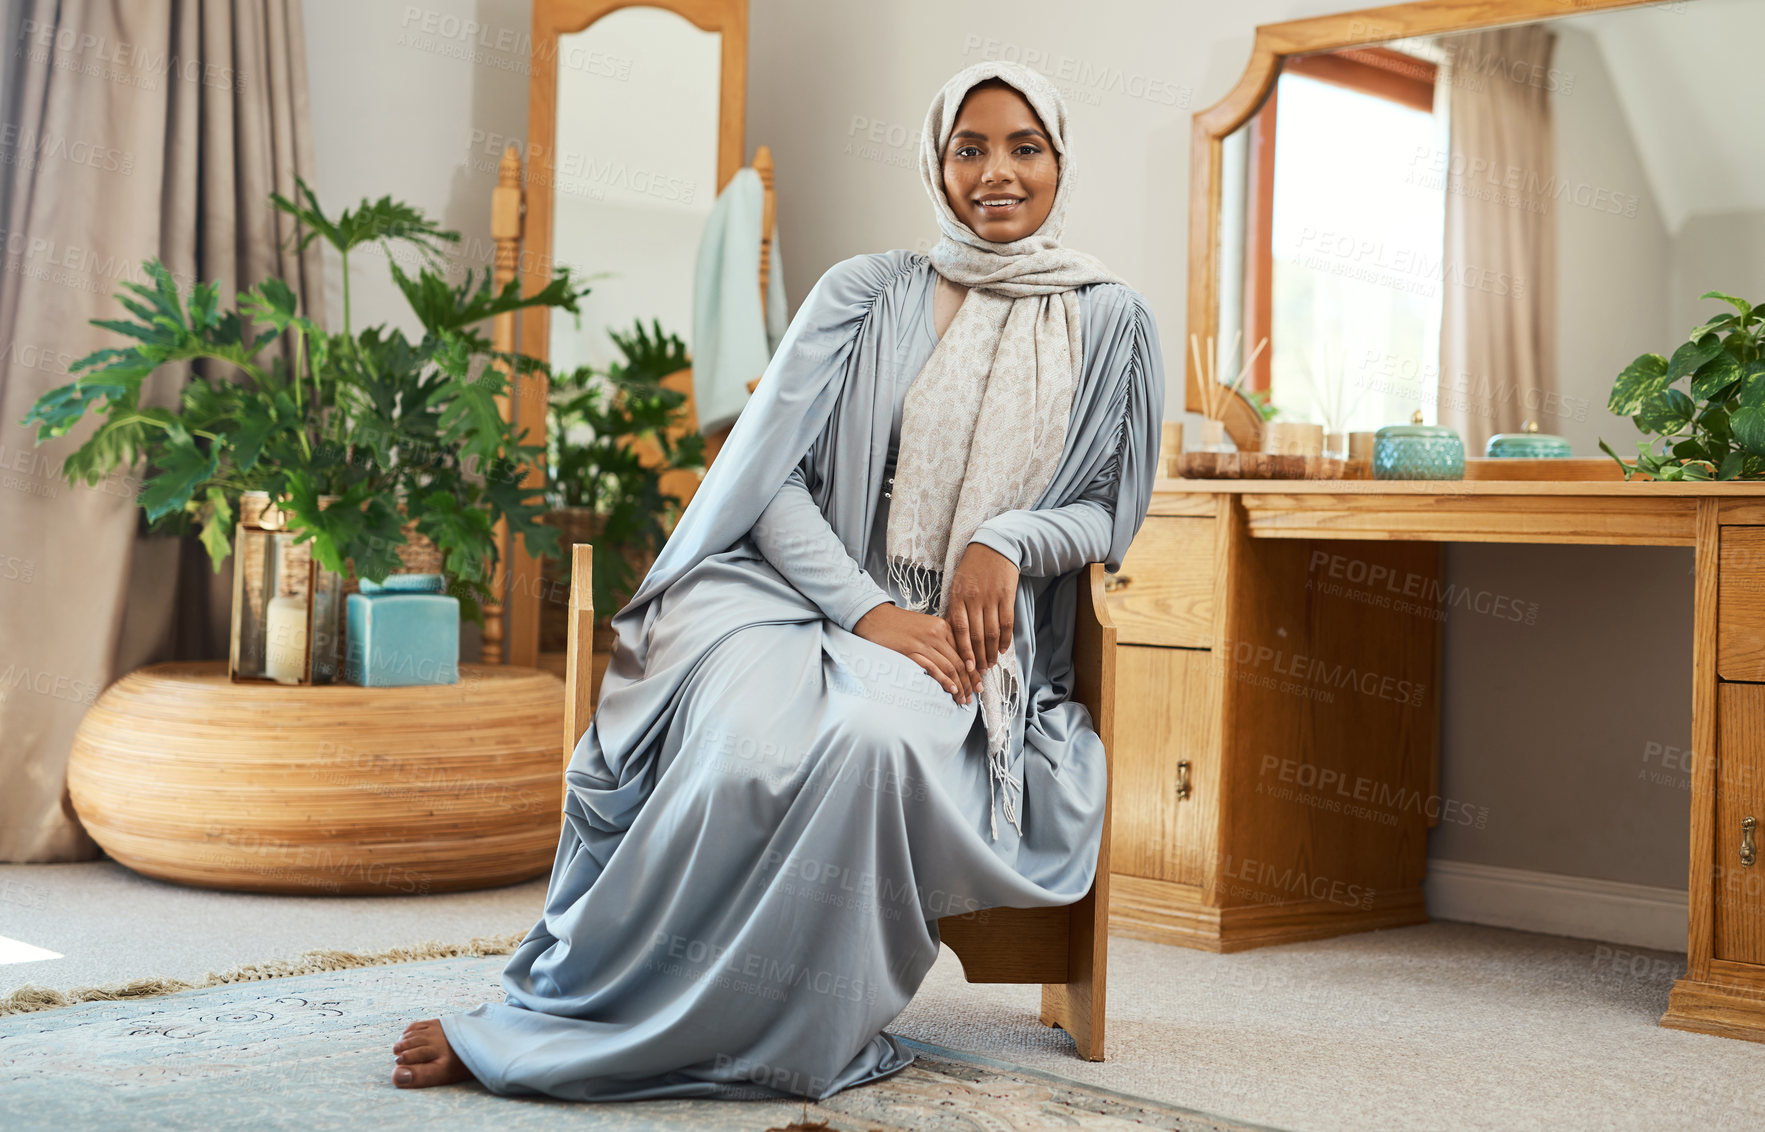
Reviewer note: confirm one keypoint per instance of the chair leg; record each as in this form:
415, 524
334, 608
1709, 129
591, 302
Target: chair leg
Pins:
1077, 1005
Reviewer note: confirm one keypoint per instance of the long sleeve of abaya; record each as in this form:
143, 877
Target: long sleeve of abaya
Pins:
797, 539
1045, 544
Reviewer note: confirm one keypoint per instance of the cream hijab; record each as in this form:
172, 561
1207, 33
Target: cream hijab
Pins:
984, 423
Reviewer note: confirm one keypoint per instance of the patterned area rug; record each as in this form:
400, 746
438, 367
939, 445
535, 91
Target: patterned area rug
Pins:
313, 1052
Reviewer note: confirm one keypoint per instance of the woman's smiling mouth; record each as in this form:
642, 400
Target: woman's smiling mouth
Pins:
999, 206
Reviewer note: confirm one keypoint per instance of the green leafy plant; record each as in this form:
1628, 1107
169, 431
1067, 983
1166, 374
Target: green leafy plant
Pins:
599, 427
357, 433
1714, 427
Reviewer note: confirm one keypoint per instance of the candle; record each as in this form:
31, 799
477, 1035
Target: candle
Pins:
285, 653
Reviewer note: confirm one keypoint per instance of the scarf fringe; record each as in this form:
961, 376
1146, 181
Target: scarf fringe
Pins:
920, 586
1001, 787
921, 589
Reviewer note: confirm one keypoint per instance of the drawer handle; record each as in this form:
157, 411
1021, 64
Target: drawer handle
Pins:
1183, 792
1114, 582
1747, 853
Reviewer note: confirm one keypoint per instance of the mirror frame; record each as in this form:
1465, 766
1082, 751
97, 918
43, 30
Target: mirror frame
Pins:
1274, 43
551, 19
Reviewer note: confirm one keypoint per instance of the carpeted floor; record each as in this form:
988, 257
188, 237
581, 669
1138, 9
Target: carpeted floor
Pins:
110, 925
310, 1053
1444, 1026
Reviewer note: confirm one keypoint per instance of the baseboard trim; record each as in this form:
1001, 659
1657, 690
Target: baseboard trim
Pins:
1166, 912
1637, 915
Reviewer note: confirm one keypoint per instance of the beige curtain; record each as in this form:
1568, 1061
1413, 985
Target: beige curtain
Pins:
133, 129
1498, 322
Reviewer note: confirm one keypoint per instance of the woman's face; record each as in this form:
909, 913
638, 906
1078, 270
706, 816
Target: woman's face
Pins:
1000, 170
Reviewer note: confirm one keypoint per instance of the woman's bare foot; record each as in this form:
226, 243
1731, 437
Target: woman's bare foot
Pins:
425, 1058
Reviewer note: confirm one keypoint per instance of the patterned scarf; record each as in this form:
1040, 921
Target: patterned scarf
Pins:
984, 423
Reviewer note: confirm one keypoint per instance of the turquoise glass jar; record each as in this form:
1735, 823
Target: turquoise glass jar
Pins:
403, 632
1418, 451
1528, 444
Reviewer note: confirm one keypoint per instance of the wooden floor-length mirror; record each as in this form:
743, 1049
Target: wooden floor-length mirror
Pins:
636, 114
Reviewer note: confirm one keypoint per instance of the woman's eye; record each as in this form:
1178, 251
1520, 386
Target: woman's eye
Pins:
967, 151
1028, 149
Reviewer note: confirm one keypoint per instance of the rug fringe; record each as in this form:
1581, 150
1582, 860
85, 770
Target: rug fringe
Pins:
30, 998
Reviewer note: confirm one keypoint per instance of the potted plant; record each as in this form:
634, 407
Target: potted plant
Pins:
1714, 427
613, 437
364, 439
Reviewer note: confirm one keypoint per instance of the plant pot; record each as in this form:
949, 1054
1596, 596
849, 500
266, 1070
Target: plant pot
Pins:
419, 554
575, 524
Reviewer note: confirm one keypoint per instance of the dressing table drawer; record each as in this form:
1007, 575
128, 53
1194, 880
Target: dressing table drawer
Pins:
1740, 637
1164, 594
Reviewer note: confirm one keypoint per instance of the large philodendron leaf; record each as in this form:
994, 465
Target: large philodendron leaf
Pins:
59, 409
1751, 393
183, 467
1666, 412
1748, 426
1745, 308
360, 528
1692, 355
441, 307
1641, 379
217, 527
1715, 377
383, 219
1717, 324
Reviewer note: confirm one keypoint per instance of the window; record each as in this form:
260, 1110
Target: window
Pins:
1344, 242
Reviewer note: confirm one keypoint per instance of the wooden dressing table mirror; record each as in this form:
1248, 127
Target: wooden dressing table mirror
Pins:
1276, 765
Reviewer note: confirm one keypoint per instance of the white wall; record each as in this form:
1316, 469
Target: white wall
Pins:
1613, 253
1715, 252
416, 100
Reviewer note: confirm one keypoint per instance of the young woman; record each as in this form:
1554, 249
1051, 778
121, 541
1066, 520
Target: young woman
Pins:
838, 707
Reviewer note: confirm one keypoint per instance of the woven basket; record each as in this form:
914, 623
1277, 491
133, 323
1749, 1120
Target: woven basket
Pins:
575, 524
419, 554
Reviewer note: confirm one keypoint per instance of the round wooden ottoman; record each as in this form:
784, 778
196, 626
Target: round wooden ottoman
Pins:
181, 774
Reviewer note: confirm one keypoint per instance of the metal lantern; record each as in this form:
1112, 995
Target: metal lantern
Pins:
286, 606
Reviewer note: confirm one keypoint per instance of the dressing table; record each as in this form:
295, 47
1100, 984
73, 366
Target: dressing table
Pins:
1280, 641
1277, 752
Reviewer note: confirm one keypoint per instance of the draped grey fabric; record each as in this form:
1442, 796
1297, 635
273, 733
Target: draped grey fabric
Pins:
769, 814
131, 131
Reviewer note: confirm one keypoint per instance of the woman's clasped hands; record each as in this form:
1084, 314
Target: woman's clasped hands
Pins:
957, 648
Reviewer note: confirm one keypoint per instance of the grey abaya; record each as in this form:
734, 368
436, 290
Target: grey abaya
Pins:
769, 813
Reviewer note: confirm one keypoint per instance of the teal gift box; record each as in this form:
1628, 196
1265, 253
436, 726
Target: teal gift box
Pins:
1528, 443
1418, 451
402, 632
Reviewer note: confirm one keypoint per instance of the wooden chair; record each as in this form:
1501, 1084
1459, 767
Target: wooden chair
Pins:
1065, 949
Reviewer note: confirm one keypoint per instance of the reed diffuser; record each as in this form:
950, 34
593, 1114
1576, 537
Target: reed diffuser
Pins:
1329, 384
1215, 394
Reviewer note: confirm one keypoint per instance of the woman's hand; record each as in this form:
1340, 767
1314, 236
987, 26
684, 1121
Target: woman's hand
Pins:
924, 639
983, 604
